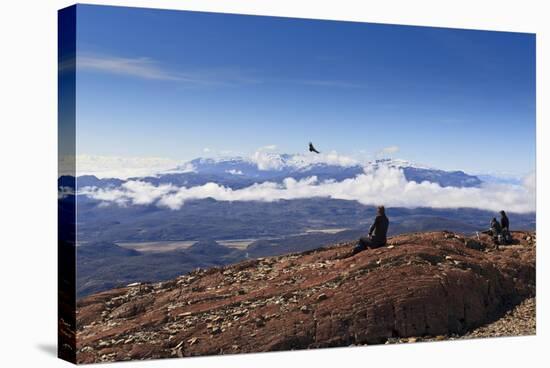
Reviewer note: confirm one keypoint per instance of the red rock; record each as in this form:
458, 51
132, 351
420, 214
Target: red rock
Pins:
427, 284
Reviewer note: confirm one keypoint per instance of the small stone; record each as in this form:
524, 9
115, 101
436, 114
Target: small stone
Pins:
391, 246
322, 296
412, 339
239, 313
304, 309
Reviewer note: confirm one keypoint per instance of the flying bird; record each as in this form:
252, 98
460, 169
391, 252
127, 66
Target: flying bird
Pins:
312, 149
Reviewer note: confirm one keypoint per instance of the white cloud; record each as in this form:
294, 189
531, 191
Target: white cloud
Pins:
388, 151
530, 182
141, 67
234, 172
266, 158
126, 167
329, 83
330, 158
131, 192
64, 192
148, 68
383, 185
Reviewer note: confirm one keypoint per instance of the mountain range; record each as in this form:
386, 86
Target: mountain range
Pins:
240, 172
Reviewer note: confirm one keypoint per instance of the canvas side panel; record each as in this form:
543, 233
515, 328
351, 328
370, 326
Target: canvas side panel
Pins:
66, 257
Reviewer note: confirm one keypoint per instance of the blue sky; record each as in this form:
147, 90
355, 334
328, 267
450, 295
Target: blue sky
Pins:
171, 83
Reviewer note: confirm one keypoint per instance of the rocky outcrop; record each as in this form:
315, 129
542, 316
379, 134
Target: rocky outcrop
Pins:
422, 284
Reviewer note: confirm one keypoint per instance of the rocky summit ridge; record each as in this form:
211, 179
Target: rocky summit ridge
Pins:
420, 284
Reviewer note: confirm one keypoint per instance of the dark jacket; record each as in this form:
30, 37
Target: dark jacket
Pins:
495, 226
504, 222
379, 229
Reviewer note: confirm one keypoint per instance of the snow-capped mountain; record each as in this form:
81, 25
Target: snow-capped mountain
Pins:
273, 166
240, 172
265, 166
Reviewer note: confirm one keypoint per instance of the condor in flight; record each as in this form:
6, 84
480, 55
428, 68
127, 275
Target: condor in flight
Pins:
312, 149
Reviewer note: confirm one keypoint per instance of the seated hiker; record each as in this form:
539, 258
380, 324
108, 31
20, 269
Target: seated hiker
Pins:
495, 229
377, 233
505, 225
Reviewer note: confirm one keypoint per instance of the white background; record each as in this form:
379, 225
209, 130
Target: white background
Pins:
28, 108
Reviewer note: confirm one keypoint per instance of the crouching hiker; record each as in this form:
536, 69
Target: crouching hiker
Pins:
495, 229
377, 233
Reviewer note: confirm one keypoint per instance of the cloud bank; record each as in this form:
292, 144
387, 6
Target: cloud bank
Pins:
382, 185
125, 167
